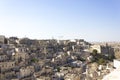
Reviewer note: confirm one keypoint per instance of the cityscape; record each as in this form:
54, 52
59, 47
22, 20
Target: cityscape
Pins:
52, 59
59, 39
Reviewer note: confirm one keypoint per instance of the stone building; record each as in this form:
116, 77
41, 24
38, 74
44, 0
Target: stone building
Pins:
102, 49
2, 39
26, 71
7, 65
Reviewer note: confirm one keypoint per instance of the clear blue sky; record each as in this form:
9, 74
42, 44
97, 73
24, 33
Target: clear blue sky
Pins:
92, 20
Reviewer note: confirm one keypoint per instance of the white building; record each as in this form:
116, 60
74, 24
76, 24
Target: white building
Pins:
117, 63
114, 75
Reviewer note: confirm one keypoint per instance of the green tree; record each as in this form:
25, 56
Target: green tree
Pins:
58, 69
94, 52
101, 61
34, 60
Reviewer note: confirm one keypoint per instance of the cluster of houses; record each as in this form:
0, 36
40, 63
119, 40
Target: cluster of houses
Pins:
26, 59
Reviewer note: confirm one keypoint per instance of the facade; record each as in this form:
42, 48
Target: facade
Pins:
7, 65
95, 47
107, 50
26, 71
2, 39
116, 63
72, 77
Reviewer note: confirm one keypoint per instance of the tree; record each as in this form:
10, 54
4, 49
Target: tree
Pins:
101, 61
94, 52
58, 69
34, 60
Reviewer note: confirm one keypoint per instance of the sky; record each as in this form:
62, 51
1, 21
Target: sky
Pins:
92, 20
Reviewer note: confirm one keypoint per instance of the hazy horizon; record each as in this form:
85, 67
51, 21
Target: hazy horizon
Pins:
92, 20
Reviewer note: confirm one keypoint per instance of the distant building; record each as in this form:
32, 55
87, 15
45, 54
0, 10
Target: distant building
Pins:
96, 47
13, 40
106, 50
2, 39
7, 65
26, 71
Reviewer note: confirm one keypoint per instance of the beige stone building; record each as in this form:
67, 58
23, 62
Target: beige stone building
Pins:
96, 47
7, 65
26, 71
70, 76
104, 49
